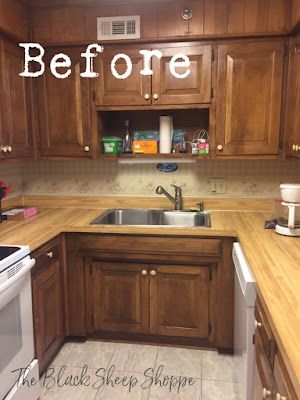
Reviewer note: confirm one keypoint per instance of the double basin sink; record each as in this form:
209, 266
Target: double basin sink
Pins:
153, 218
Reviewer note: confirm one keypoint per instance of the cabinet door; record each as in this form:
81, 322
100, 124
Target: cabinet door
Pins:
249, 98
121, 297
48, 314
111, 91
180, 300
264, 385
293, 102
15, 103
64, 110
196, 88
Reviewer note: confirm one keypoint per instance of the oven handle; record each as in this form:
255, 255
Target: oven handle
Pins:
7, 284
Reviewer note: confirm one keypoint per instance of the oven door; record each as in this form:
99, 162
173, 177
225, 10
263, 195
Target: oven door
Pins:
16, 326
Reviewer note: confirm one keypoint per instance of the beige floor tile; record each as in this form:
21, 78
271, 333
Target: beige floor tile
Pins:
187, 392
178, 361
134, 357
133, 391
219, 390
93, 353
63, 354
65, 390
217, 367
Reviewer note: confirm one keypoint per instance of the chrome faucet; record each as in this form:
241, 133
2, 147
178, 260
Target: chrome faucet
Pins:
177, 200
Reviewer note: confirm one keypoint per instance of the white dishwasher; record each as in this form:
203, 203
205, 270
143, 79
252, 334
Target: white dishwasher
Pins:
244, 327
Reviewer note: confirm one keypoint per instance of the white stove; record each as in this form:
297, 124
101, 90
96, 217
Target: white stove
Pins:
17, 363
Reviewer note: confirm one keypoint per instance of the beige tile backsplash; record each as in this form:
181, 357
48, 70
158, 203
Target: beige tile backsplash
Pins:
106, 177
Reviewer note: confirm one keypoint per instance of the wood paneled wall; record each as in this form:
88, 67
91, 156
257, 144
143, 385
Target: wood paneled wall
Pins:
77, 23
14, 18
295, 12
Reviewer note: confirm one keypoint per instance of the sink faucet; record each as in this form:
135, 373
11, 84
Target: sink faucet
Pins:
177, 200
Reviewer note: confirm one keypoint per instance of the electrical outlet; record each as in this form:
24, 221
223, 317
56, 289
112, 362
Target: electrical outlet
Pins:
218, 186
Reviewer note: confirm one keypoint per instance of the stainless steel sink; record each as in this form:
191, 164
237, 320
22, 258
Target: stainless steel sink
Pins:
153, 218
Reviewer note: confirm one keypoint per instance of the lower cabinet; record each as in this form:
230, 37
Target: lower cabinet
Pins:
271, 378
171, 300
47, 296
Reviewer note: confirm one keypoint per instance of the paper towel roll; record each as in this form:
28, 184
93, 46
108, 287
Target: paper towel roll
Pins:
166, 134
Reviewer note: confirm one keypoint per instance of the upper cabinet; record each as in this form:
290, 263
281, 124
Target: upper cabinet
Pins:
14, 18
249, 93
15, 123
161, 88
292, 126
64, 110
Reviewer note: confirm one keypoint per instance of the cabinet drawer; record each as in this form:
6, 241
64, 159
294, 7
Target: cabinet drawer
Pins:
265, 333
151, 245
46, 255
283, 382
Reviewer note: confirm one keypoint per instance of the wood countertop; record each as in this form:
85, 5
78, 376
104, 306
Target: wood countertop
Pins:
274, 259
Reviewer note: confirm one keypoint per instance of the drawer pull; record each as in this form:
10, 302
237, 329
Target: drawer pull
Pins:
155, 96
50, 254
153, 272
144, 272
147, 96
257, 324
87, 149
266, 393
220, 147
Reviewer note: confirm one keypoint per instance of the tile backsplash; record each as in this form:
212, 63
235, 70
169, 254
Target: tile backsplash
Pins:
244, 178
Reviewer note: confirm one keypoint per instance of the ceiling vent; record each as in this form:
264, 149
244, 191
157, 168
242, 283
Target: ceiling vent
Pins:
118, 28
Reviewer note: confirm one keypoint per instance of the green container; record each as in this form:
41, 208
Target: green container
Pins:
112, 145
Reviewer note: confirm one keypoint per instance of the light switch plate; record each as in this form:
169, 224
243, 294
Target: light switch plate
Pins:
218, 186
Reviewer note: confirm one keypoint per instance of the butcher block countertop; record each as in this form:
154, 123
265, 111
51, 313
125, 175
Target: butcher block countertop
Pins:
274, 259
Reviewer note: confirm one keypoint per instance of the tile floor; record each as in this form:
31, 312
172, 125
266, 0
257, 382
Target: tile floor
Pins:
120, 371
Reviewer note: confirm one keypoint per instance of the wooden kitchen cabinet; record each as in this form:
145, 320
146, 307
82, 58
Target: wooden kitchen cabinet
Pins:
249, 97
65, 110
180, 300
48, 307
292, 125
15, 118
271, 378
121, 297
162, 88
151, 287
134, 90
195, 89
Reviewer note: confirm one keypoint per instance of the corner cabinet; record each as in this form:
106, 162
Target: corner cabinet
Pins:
292, 126
162, 88
65, 110
249, 98
48, 306
15, 117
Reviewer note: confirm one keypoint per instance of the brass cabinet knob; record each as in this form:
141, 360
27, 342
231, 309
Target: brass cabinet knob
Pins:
155, 96
279, 397
147, 96
144, 272
266, 393
87, 149
50, 254
220, 147
4, 149
257, 324
153, 272
296, 147
9, 149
